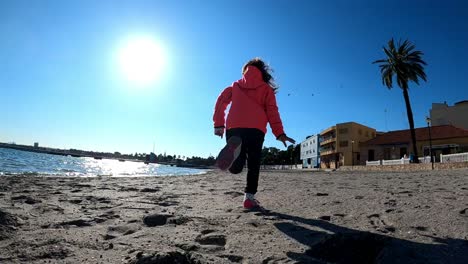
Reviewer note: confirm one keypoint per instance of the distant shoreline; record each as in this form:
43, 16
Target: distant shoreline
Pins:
95, 155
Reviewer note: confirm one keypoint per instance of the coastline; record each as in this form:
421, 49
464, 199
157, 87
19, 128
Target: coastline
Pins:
309, 217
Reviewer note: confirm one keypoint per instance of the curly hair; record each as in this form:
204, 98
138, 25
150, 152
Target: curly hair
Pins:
265, 69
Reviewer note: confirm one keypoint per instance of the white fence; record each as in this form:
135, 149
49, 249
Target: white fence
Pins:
426, 159
373, 163
393, 162
460, 157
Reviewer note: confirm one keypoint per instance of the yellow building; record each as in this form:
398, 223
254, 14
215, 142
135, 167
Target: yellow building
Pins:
340, 144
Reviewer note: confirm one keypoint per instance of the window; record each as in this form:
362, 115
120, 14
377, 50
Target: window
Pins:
387, 153
344, 143
370, 155
403, 152
360, 132
342, 131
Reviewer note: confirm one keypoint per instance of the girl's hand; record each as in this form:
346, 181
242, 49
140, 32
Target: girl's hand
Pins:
283, 138
219, 131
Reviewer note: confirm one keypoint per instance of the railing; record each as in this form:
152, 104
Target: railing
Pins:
460, 157
426, 159
397, 161
373, 163
393, 162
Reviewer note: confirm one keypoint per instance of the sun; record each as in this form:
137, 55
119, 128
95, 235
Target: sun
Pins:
141, 60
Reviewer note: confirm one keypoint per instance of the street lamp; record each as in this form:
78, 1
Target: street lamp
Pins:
428, 120
352, 153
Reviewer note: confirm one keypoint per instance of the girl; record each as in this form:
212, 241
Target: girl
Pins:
253, 106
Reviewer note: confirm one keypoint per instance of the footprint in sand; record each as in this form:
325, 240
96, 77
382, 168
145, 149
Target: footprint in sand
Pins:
121, 230
150, 190
391, 202
232, 258
26, 199
234, 194
95, 199
211, 238
77, 223
339, 215
153, 220
379, 224
128, 189
106, 216
464, 212
420, 228
325, 217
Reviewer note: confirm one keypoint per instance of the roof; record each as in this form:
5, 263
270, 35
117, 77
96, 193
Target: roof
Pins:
422, 134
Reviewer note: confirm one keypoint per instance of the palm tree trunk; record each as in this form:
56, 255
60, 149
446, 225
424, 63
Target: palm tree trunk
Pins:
409, 112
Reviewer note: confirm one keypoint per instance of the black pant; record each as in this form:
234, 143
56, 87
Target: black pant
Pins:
251, 150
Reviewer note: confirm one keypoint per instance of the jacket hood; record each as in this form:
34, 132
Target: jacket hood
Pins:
252, 78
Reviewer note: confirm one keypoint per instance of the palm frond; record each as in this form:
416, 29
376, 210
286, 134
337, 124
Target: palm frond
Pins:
380, 61
403, 62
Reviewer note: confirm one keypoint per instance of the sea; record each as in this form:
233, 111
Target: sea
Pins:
17, 162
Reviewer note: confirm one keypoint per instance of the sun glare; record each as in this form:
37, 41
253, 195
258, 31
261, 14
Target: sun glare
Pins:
141, 60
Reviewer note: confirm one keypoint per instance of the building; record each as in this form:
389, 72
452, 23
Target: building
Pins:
310, 152
340, 144
456, 115
445, 139
36, 144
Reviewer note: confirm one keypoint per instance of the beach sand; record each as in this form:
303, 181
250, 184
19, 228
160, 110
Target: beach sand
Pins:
308, 217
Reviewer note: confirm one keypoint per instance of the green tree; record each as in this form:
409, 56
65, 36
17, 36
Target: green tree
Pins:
405, 64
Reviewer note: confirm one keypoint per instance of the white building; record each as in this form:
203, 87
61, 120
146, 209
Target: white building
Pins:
456, 115
310, 155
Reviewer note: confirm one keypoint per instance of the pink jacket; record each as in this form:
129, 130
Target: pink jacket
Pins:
253, 104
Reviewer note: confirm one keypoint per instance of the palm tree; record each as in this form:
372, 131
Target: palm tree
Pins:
407, 65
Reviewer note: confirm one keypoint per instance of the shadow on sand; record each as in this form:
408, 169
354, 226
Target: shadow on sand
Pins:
329, 243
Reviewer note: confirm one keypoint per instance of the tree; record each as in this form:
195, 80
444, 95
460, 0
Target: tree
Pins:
405, 64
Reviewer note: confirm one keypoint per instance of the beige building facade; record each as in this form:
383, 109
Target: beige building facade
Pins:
456, 115
340, 144
396, 144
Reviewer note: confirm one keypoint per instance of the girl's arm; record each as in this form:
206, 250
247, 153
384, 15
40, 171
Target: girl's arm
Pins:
224, 99
272, 113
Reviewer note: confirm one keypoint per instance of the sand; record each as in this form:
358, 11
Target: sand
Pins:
308, 217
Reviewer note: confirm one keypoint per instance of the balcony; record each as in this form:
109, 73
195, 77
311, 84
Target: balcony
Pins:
327, 152
328, 130
327, 140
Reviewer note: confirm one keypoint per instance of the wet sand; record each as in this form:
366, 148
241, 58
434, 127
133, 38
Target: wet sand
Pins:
308, 217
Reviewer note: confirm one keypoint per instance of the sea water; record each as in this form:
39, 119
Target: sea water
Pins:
15, 162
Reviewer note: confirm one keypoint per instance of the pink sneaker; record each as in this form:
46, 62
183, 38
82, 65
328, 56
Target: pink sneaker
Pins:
250, 202
229, 153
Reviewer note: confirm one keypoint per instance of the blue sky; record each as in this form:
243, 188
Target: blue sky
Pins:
59, 83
